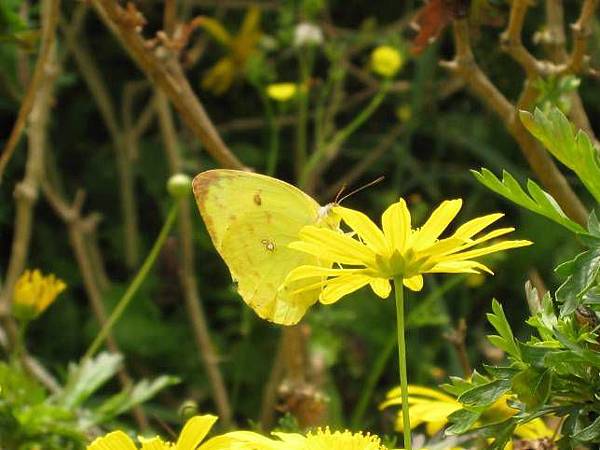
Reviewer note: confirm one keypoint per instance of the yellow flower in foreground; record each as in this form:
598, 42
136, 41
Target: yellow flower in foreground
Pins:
239, 47
386, 61
432, 408
33, 293
194, 431
370, 255
282, 92
324, 439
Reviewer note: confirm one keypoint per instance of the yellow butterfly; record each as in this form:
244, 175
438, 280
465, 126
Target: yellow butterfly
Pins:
251, 219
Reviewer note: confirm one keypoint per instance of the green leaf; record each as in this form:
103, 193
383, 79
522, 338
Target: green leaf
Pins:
582, 272
590, 433
127, 399
462, 421
84, 379
532, 387
574, 150
536, 200
485, 394
505, 340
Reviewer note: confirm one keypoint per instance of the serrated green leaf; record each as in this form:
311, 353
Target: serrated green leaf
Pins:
532, 387
84, 379
505, 340
485, 394
582, 272
574, 150
538, 200
462, 421
127, 399
590, 433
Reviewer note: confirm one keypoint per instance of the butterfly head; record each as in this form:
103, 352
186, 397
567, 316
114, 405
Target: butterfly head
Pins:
327, 218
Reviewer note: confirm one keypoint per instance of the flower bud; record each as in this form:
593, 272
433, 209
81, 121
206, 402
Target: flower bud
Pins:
179, 185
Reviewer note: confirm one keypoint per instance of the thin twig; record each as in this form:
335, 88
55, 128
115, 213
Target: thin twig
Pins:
77, 227
50, 11
101, 94
464, 65
26, 192
187, 271
457, 337
161, 66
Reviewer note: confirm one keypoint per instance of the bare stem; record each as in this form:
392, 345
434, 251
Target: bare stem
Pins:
50, 11
187, 271
166, 73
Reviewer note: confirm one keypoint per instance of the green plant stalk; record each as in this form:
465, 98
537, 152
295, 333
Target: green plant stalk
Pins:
399, 291
274, 130
134, 285
342, 135
305, 59
374, 376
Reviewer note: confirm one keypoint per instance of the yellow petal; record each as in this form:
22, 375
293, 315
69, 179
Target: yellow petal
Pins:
505, 245
364, 227
215, 29
472, 227
154, 443
341, 286
381, 287
117, 440
460, 267
414, 283
437, 223
334, 246
396, 225
194, 430
434, 427
251, 21
240, 440
486, 237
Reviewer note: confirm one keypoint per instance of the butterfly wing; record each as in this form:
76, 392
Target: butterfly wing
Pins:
251, 218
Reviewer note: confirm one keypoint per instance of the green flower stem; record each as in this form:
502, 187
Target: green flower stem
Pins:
135, 284
273, 141
329, 149
399, 290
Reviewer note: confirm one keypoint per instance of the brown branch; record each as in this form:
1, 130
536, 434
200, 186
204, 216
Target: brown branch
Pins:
464, 66
78, 227
457, 337
26, 192
101, 94
50, 11
581, 32
187, 270
162, 68
512, 42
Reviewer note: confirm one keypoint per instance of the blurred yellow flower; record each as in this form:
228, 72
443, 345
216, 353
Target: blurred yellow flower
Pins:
239, 48
325, 439
33, 293
282, 92
386, 61
192, 434
404, 113
432, 407
373, 256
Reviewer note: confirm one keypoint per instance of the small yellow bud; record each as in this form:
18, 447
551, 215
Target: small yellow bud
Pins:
386, 61
33, 293
179, 185
282, 92
404, 113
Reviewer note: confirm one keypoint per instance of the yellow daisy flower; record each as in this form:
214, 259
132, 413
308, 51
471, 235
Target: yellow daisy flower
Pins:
374, 256
386, 61
194, 431
33, 293
431, 407
282, 92
325, 439
239, 47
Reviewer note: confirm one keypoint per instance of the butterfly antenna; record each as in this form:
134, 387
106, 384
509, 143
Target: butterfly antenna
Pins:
339, 194
369, 184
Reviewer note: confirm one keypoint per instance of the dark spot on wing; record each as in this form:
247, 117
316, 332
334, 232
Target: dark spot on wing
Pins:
257, 199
